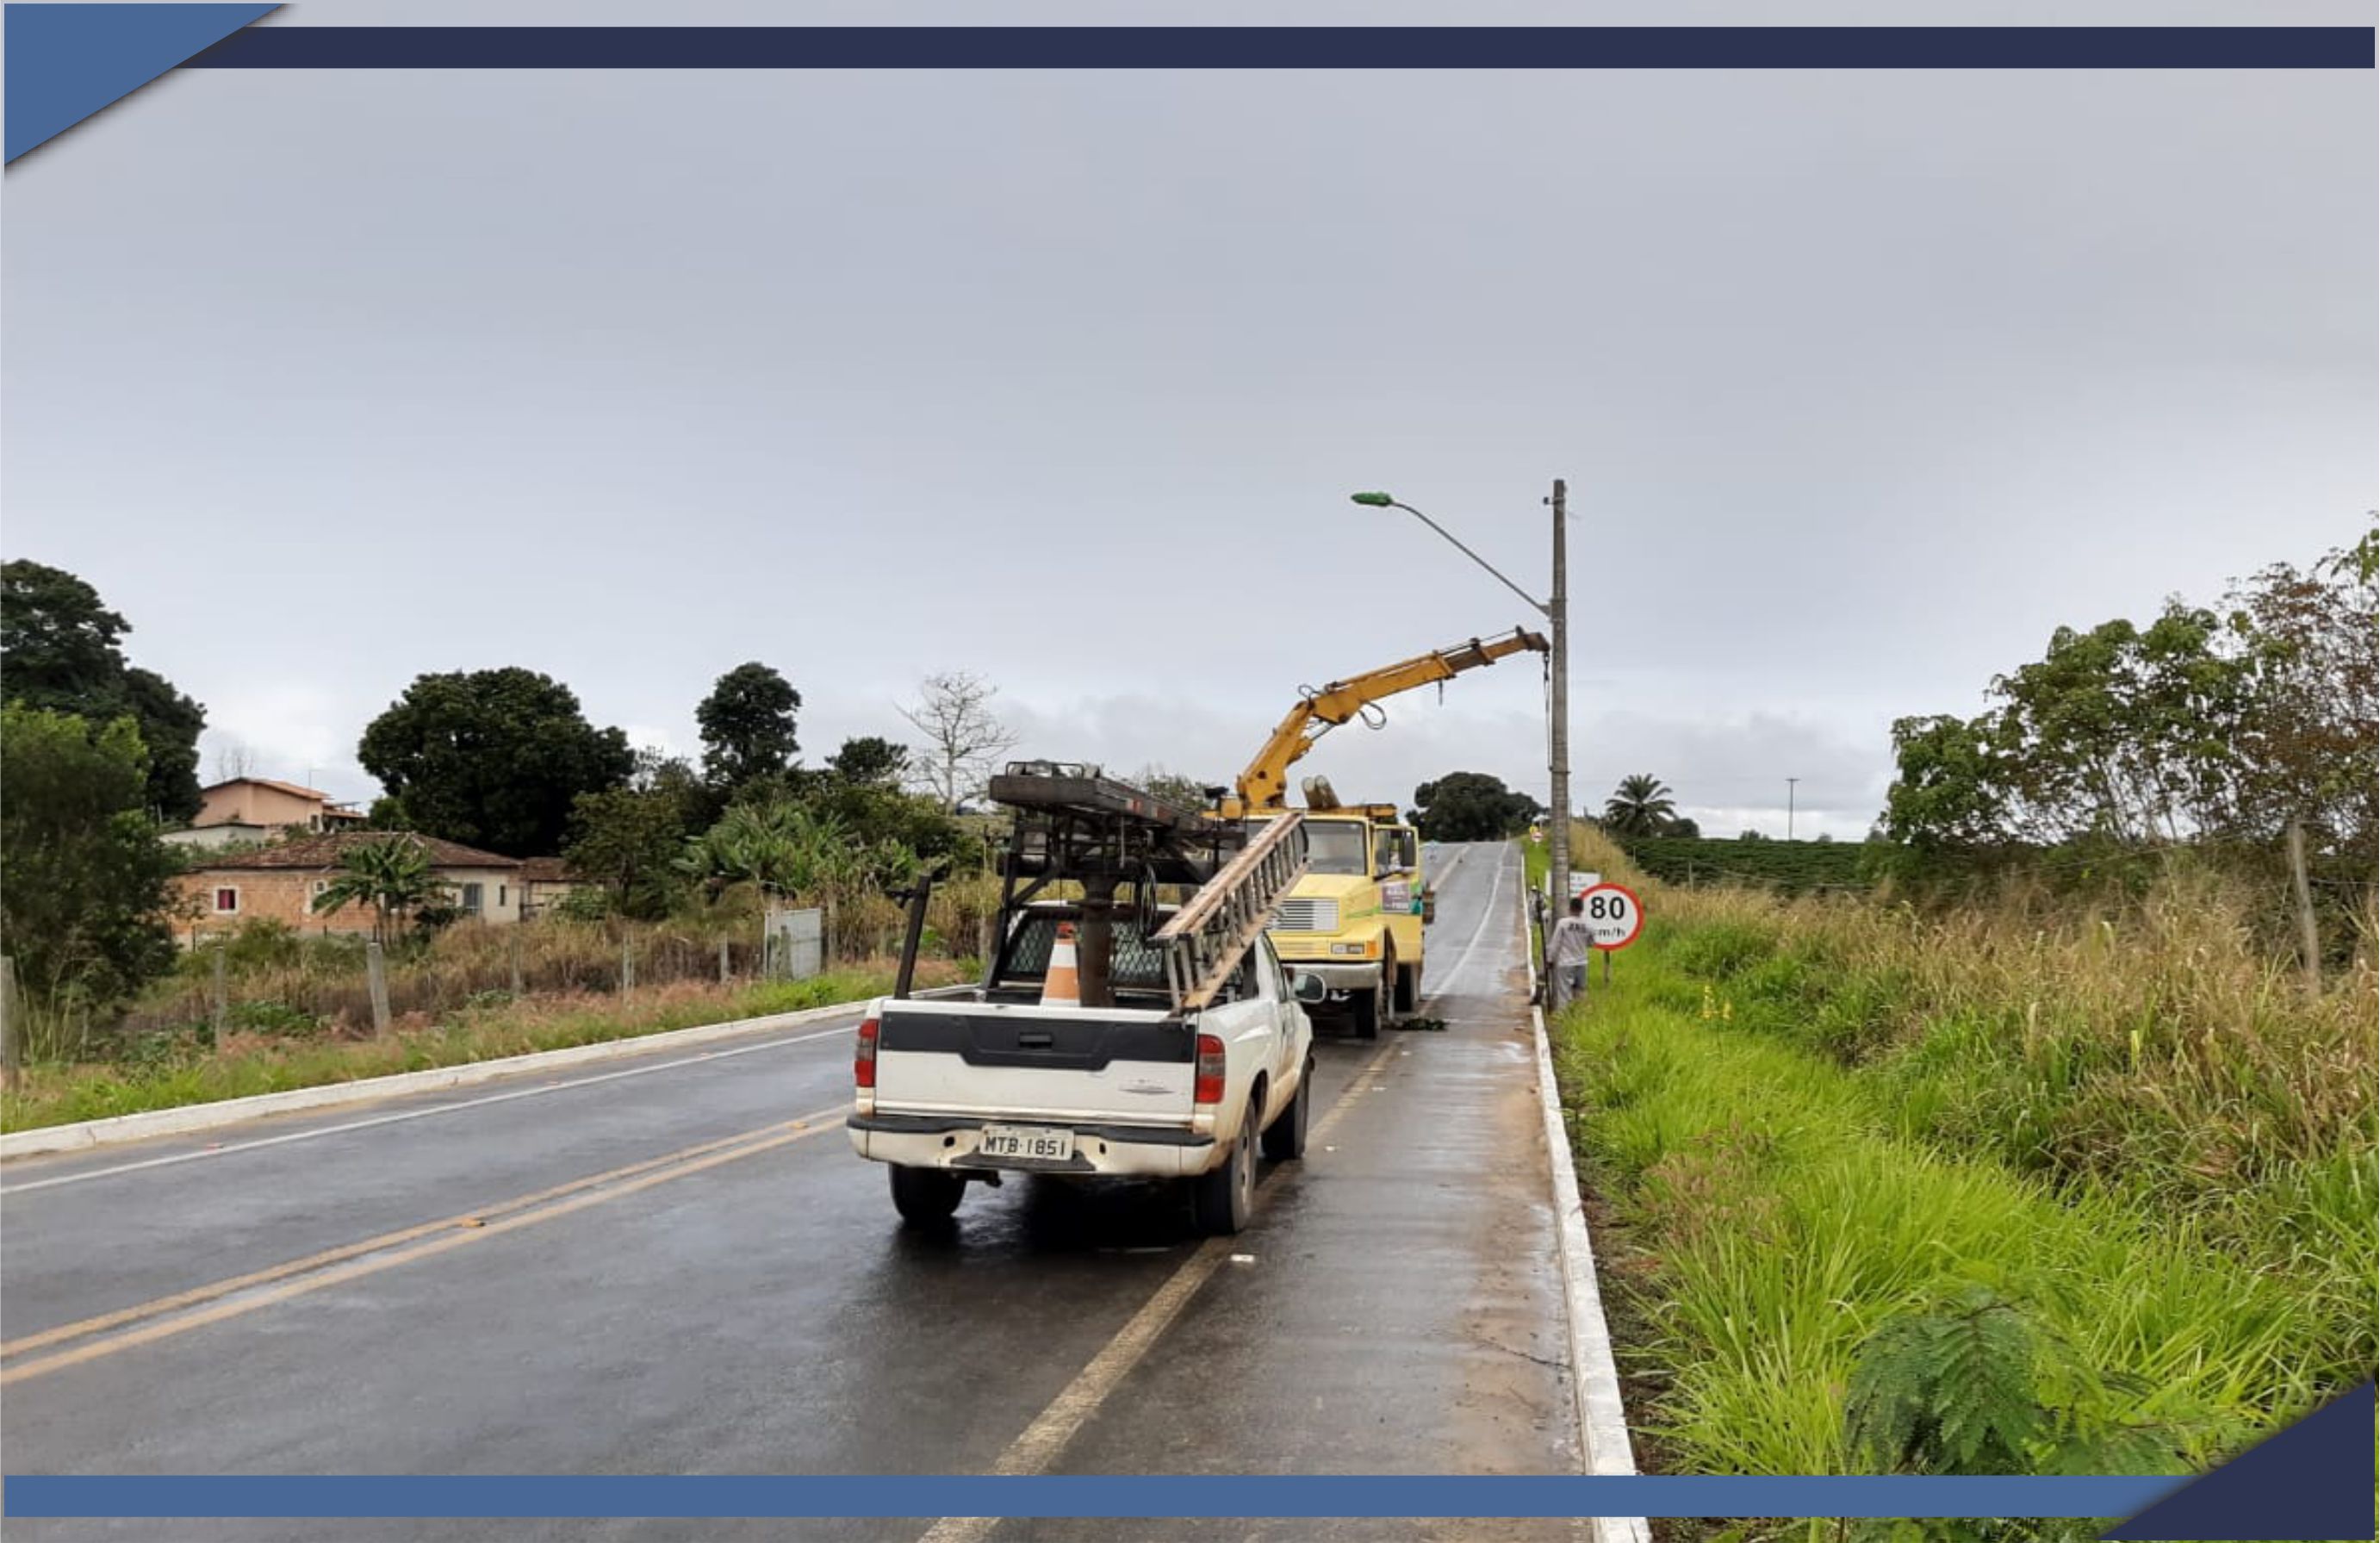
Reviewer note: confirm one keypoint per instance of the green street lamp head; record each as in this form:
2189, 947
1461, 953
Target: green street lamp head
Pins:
1374, 500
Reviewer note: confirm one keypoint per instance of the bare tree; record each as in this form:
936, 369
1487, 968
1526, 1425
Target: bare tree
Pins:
234, 760
963, 738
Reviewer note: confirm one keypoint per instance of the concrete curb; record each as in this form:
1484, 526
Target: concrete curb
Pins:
186, 1118
1595, 1376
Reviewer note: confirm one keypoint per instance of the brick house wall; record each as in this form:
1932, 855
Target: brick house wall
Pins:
279, 883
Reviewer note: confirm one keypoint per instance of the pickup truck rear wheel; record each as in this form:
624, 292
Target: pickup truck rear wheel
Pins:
925, 1194
1284, 1139
1224, 1197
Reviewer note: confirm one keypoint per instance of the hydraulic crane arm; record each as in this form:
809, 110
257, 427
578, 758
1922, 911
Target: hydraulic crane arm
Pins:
1262, 785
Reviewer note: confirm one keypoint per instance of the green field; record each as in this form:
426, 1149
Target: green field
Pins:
1787, 867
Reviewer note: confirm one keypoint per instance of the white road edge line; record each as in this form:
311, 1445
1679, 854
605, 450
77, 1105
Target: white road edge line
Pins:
188, 1118
1594, 1374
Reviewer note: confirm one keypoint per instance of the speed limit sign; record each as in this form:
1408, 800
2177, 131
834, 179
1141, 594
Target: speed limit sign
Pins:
1613, 914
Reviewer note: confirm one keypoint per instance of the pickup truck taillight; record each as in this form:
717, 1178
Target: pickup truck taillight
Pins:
1209, 1086
862, 1059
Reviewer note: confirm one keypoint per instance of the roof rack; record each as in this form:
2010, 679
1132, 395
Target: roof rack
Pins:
1074, 823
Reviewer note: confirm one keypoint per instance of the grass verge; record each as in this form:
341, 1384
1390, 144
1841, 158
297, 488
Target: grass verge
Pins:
489, 1031
1794, 1143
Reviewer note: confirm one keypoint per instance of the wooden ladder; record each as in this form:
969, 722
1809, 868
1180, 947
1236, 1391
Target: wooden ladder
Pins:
1205, 939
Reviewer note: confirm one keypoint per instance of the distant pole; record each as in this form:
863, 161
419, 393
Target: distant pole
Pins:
8, 1027
376, 980
2309, 941
1558, 615
221, 1008
1789, 807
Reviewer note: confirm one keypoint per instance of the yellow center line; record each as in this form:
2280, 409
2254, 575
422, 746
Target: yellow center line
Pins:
1041, 1442
348, 1262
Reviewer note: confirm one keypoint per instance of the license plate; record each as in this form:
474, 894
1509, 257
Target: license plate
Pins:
1026, 1141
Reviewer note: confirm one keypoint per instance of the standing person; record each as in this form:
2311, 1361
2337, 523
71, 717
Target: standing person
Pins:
1566, 953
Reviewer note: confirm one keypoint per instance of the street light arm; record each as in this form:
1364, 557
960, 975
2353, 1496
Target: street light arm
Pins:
1541, 607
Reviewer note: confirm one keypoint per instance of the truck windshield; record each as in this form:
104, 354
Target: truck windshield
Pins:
1331, 845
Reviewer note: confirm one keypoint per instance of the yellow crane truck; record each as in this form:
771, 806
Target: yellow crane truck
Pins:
1355, 919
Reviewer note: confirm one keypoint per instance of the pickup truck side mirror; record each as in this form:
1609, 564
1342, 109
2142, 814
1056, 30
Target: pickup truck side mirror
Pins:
1308, 988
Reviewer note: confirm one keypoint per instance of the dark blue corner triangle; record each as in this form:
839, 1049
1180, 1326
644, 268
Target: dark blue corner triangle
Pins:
67, 62
2313, 1480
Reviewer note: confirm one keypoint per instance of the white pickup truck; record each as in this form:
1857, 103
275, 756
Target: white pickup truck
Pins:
968, 1088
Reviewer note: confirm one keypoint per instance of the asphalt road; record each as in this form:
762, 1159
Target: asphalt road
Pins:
678, 1266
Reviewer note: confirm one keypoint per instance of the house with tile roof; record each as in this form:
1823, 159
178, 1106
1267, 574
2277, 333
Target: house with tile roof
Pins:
247, 811
281, 881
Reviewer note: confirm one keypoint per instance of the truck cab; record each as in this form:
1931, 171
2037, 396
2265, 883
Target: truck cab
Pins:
1355, 919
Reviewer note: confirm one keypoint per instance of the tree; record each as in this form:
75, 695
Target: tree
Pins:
2123, 731
1471, 805
492, 758
875, 815
87, 899
778, 849
871, 761
170, 725
60, 649
628, 839
2312, 744
234, 760
2205, 724
391, 876
1640, 806
1188, 792
748, 725
1682, 827
963, 737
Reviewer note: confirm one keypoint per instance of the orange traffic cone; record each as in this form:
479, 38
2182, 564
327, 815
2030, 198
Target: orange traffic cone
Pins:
1059, 986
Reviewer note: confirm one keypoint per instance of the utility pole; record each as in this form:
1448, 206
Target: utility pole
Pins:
1557, 614
1789, 807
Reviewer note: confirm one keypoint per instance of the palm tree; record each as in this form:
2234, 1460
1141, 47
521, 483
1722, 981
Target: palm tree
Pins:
1641, 807
392, 877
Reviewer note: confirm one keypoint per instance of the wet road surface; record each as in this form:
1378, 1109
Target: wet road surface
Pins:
678, 1266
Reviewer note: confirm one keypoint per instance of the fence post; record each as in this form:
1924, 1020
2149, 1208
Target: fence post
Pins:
220, 1006
722, 961
2309, 941
9, 1025
627, 962
517, 961
376, 982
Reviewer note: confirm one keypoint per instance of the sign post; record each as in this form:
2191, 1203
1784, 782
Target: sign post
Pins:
1614, 919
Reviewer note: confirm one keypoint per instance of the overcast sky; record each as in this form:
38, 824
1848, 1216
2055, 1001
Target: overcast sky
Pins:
1861, 381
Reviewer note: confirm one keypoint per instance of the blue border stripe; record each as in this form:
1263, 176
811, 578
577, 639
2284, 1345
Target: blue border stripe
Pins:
911, 1495
1293, 48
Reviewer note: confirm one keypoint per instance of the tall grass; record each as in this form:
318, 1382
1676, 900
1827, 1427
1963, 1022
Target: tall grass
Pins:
1809, 1115
281, 979
1766, 1226
251, 1063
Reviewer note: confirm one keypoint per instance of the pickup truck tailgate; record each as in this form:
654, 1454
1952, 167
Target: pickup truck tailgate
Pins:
1117, 1066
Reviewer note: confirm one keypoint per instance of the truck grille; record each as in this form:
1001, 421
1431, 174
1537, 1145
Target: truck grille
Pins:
1307, 915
